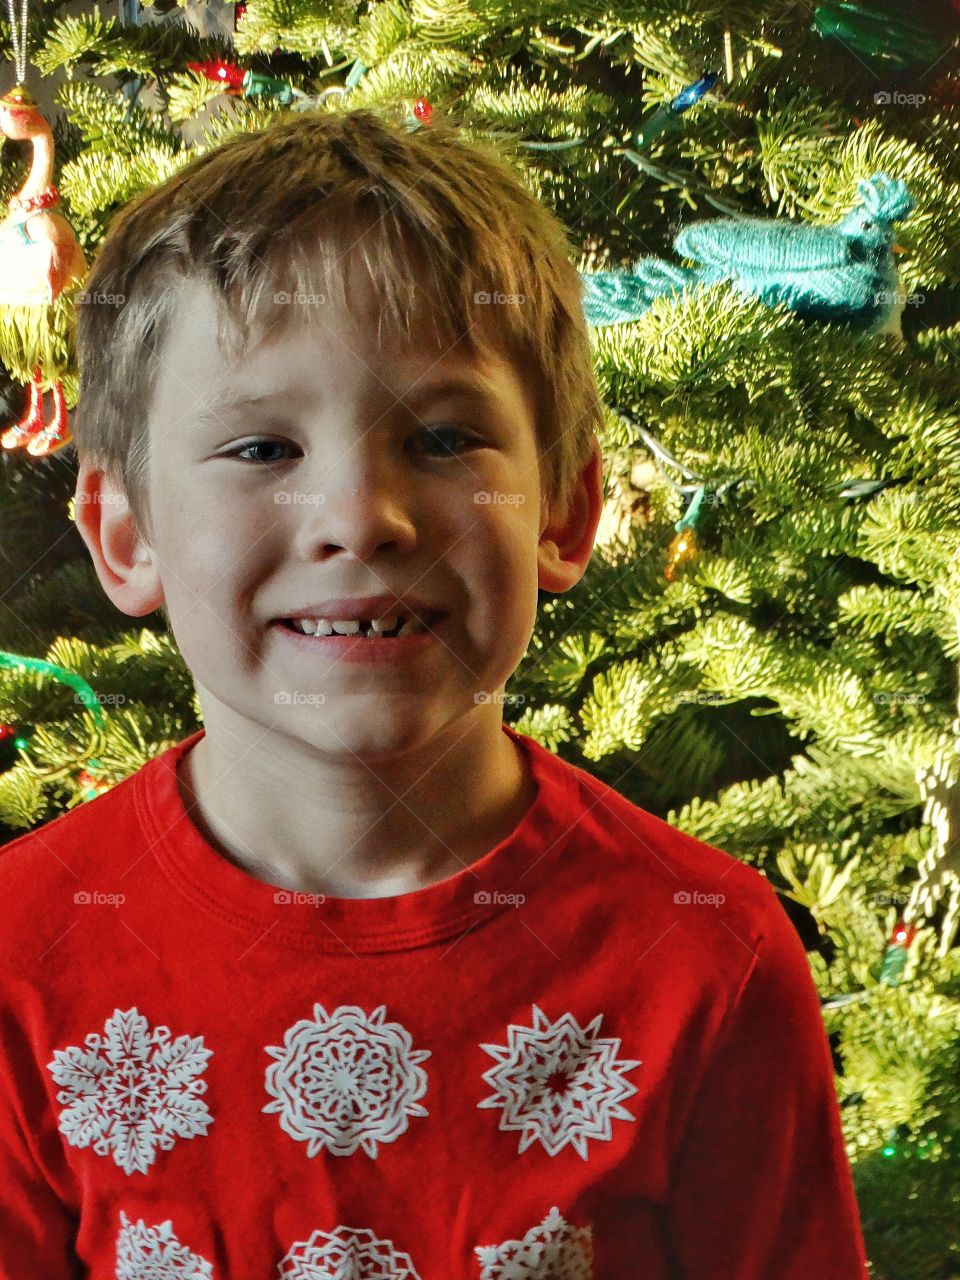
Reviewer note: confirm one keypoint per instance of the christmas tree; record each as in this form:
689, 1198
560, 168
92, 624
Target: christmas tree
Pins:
766, 205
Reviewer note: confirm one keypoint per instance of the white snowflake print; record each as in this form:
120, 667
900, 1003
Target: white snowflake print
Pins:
347, 1254
551, 1251
131, 1090
346, 1080
558, 1083
155, 1253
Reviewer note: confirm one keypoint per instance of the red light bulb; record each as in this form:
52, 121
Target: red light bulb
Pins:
220, 72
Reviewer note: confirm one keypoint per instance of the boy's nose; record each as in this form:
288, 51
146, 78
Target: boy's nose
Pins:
359, 518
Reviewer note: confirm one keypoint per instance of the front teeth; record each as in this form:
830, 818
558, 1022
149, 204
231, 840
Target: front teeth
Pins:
351, 626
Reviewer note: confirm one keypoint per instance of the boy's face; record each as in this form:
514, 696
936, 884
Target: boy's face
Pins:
354, 498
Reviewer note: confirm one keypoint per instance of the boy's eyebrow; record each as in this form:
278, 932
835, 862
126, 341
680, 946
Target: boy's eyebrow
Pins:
210, 412
470, 384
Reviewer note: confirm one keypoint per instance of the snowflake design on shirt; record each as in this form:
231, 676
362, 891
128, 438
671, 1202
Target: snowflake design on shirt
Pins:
559, 1083
131, 1090
346, 1080
551, 1251
155, 1253
347, 1254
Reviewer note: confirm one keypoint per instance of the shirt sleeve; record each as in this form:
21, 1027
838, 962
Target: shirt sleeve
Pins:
38, 1227
760, 1182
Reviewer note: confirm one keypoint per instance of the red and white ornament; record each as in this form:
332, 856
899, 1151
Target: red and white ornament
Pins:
40, 256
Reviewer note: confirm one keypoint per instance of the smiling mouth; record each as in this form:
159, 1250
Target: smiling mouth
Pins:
407, 625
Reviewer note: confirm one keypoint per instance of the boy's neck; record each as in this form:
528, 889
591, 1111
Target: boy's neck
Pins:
365, 837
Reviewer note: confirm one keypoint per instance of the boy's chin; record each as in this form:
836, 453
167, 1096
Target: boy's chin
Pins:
379, 733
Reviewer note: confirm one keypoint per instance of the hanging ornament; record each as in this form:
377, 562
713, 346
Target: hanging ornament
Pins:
878, 33
840, 273
40, 257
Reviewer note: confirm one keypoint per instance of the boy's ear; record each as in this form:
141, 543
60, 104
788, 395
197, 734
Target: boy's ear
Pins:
567, 538
125, 563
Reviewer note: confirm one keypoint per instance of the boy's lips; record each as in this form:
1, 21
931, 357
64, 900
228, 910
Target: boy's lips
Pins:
355, 608
363, 649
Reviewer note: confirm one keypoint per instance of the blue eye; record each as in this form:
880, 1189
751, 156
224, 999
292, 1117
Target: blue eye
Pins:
435, 433
257, 444
432, 435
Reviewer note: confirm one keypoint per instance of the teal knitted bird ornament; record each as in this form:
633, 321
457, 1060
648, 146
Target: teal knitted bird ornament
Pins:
844, 273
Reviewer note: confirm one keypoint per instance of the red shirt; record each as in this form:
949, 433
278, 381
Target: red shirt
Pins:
596, 1053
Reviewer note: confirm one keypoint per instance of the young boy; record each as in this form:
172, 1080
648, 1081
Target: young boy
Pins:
358, 982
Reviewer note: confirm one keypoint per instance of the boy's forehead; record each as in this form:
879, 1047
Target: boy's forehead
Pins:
288, 343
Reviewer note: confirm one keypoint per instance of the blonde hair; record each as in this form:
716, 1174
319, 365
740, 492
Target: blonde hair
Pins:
425, 206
